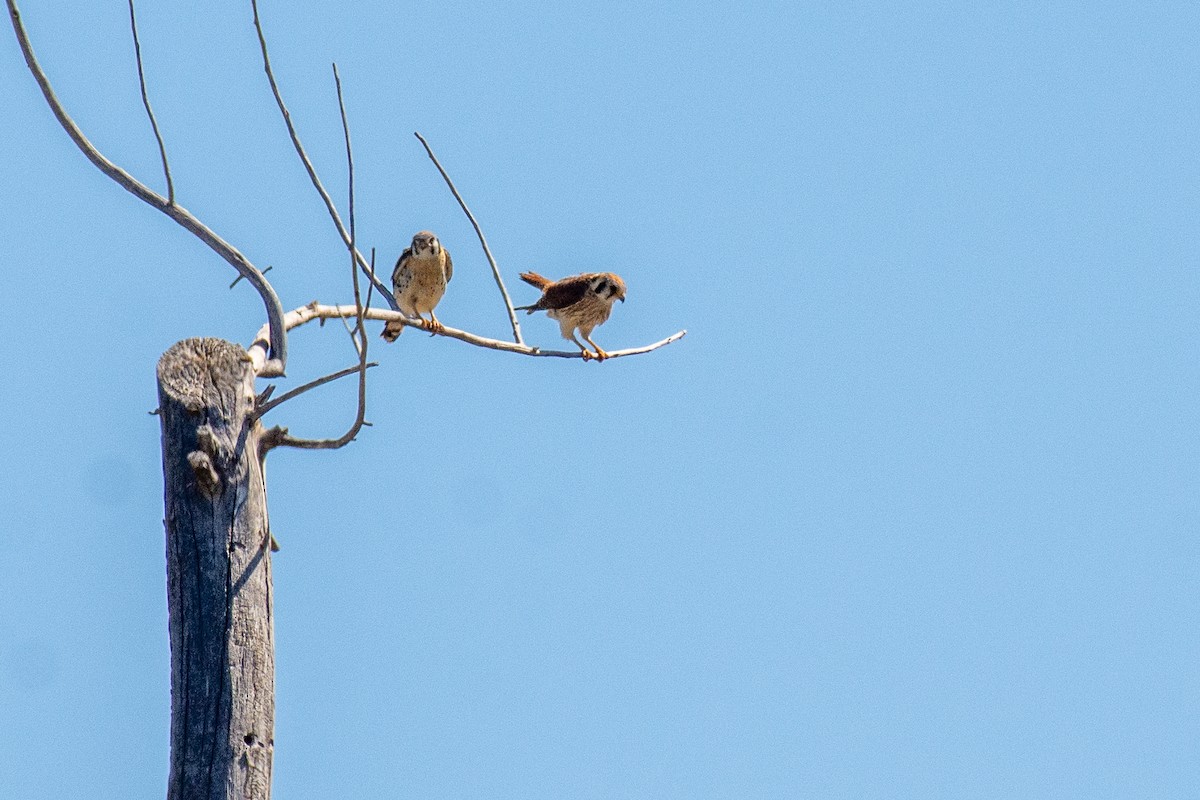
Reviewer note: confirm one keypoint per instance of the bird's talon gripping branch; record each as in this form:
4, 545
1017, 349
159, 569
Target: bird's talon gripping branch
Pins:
581, 302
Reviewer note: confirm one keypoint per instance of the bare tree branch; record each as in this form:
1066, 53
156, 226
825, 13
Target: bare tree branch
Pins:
370, 286
352, 247
318, 311
352, 331
512, 314
265, 406
269, 367
162, 148
279, 437
308, 165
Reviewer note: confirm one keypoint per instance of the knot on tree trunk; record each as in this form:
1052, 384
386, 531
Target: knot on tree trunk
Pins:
207, 478
204, 460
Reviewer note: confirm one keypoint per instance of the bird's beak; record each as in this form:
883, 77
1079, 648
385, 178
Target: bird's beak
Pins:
622, 298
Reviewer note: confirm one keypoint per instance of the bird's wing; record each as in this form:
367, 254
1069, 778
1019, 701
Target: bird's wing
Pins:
449, 269
399, 261
565, 292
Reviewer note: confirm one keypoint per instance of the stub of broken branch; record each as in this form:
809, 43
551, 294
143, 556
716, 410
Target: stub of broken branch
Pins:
317, 311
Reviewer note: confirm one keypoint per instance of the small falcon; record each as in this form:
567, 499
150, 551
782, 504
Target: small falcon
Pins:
580, 301
419, 281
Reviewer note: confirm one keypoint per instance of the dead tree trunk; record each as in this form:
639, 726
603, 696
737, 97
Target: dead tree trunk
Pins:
218, 575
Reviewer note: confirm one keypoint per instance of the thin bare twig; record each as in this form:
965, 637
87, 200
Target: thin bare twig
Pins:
353, 333
238, 279
370, 285
162, 148
337, 80
266, 406
379, 286
280, 437
512, 314
360, 325
308, 165
319, 311
267, 367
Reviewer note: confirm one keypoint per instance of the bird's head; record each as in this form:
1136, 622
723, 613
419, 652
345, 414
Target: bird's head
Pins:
425, 243
608, 286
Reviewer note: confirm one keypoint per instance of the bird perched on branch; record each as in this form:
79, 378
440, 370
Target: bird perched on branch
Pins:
580, 301
419, 281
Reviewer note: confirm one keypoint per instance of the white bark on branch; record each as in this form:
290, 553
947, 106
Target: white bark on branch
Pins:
317, 311
277, 361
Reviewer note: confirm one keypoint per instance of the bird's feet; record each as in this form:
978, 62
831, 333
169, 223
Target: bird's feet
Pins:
600, 354
587, 354
434, 326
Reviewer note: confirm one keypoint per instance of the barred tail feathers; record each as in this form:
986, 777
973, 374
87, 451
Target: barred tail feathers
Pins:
392, 331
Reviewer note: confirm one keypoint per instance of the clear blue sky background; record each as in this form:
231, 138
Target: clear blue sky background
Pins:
911, 512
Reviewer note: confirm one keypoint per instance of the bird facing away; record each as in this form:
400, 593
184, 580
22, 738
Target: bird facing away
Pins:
580, 301
419, 281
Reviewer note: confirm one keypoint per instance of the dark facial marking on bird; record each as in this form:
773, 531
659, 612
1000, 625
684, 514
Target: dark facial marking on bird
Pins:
426, 241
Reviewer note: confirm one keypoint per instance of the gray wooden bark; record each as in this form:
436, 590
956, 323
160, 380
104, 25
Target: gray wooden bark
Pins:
218, 575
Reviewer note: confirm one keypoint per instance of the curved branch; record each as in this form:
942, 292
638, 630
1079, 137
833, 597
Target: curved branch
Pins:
318, 311
279, 437
272, 366
512, 314
360, 329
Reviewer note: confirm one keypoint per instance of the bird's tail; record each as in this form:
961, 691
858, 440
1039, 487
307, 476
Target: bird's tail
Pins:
533, 279
392, 331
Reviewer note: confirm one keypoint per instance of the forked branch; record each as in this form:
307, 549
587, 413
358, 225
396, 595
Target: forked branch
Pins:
274, 363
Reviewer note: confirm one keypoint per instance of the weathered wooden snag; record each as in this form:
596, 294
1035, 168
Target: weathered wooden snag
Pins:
218, 575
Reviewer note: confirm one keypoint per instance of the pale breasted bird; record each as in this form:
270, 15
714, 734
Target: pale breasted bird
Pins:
419, 281
580, 302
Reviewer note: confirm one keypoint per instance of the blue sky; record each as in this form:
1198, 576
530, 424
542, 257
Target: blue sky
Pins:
911, 512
